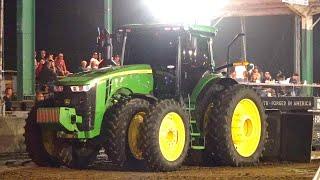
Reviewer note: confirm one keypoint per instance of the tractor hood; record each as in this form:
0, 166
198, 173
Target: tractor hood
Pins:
89, 77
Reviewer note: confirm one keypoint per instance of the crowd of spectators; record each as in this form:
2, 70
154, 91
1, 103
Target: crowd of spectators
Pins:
48, 67
265, 80
256, 76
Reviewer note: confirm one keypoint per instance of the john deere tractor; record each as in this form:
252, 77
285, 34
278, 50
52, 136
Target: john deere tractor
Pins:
165, 99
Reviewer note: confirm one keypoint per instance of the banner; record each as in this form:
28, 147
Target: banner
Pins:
299, 2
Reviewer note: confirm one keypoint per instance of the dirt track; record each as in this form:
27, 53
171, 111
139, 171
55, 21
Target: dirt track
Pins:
265, 171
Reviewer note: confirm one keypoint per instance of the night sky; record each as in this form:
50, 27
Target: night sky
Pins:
69, 26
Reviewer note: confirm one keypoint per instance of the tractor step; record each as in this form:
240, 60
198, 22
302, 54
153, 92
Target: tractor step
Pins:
198, 147
197, 140
193, 122
197, 143
195, 134
190, 109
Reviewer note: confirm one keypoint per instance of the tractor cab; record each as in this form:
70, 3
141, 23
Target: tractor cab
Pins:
179, 56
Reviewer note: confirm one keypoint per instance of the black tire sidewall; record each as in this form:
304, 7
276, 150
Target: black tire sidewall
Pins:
34, 143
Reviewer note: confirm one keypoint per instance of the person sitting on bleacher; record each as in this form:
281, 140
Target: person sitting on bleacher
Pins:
8, 98
48, 75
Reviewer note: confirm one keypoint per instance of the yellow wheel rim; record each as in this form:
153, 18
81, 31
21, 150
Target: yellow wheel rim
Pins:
172, 136
246, 127
134, 135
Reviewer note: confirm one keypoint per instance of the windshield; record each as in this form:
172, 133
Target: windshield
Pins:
156, 48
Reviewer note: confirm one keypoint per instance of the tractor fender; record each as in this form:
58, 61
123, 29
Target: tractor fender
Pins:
152, 99
200, 100
205, 83
122, 92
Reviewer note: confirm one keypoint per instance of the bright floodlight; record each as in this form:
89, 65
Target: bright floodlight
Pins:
186, 11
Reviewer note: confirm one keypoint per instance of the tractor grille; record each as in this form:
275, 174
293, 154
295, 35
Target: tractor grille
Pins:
83, 102
48, 115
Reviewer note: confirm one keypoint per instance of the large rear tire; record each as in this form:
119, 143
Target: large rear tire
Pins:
34, 142
166, 136
236, 128
123, 133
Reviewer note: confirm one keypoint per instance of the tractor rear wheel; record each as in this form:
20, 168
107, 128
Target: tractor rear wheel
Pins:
35, 144
123, 133
236, 127
166, 136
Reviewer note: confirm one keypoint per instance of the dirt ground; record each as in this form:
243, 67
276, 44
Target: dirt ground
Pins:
20, 170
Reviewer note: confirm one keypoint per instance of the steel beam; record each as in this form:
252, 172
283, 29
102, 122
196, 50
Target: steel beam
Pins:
25, 48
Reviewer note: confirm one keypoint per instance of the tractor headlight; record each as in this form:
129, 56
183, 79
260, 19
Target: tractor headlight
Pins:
84, 88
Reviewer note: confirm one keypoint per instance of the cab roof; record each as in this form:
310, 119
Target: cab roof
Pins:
203, 30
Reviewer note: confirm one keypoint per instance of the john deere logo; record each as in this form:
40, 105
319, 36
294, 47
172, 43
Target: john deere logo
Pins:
67, 102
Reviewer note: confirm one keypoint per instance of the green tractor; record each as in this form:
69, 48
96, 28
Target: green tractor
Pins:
165, 100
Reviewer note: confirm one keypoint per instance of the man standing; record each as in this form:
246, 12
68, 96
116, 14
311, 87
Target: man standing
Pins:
94, 62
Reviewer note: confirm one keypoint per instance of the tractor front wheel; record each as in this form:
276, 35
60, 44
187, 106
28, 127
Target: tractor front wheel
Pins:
37, 142
166, 136
123, 132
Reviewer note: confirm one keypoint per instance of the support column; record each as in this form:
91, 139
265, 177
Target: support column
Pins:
25, 48
297, 45
244, 38
307, 49
108, 15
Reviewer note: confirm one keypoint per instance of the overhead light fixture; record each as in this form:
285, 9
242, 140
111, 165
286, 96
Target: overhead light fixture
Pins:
186, 11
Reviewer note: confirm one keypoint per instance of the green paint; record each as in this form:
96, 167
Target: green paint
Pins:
207, 31
86, 78
109, 83
201, 85
65, 119
135, 84
25, 48
307, 52
108, 15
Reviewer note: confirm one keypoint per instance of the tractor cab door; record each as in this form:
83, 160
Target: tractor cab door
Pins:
196, 61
